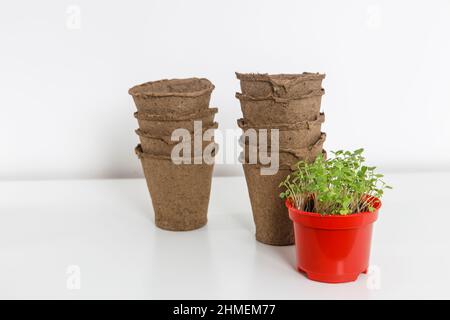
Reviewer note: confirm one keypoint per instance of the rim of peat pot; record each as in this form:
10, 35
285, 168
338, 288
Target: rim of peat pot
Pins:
333, 248
305, 76
188, 87
334, 222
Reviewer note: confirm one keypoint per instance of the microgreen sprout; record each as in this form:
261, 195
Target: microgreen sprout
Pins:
340, 185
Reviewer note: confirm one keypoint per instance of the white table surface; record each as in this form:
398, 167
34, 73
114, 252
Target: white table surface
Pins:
106, 228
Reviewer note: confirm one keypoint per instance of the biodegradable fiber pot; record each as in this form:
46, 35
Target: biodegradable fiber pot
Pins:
269, 213
176, 96
298, 135
291, 164
333, 248
269, 110
287, 157
160, 125
180, 193
279, 85
163, 145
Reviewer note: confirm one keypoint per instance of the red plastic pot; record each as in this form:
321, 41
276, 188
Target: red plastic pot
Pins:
333, 248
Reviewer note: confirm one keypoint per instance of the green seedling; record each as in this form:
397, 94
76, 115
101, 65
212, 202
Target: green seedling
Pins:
340, 185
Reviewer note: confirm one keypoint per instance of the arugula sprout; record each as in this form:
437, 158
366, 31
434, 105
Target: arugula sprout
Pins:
337, 186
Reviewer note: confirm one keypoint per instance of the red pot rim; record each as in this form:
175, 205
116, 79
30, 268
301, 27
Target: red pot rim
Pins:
333, 222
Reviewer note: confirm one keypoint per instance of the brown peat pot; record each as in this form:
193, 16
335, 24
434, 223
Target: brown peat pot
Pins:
269, 110
270, 215
175, 96
179, 192
279, 85
164, 125
297, 135
163, 145
287, 157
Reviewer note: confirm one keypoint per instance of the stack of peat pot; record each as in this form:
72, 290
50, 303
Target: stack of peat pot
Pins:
177, 164
289, 103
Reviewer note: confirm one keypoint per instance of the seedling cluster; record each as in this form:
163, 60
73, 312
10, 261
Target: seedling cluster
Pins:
340, 185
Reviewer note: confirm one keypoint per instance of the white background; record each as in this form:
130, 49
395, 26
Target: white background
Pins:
65, 111
65, 69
